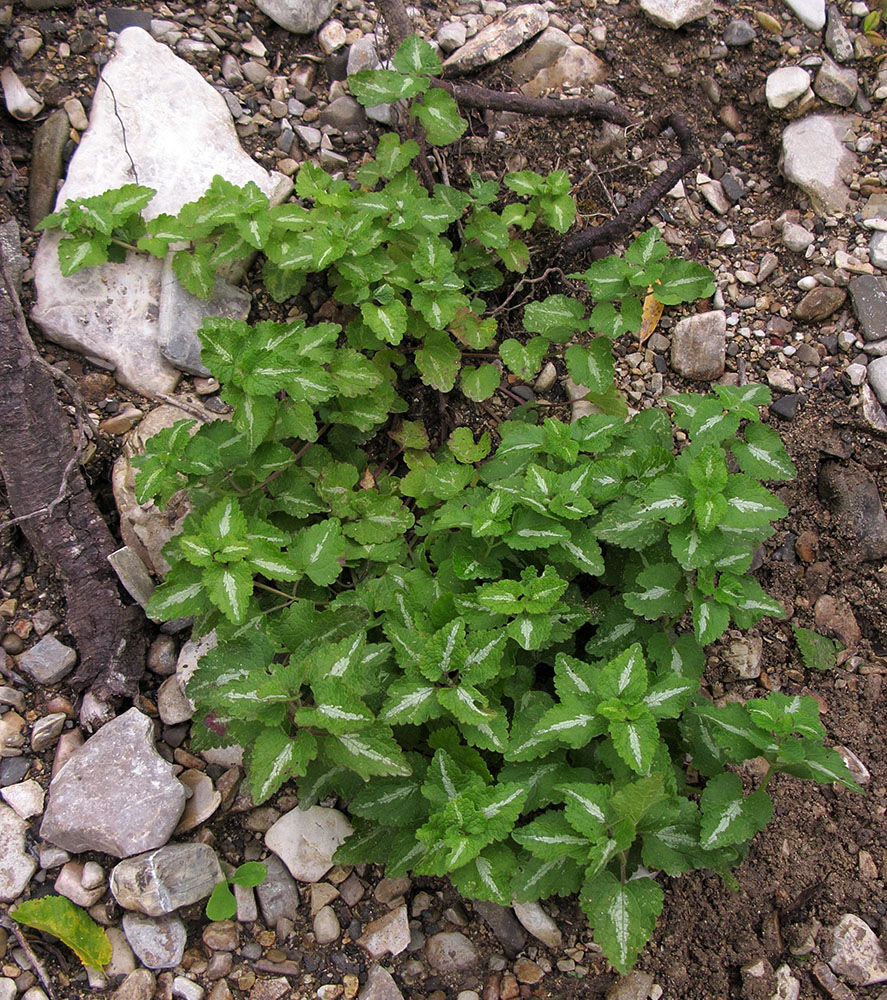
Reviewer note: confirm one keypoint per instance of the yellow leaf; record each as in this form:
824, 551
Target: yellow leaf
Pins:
650, 317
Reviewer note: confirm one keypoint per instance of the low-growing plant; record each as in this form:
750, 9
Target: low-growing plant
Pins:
222, 904
490, 650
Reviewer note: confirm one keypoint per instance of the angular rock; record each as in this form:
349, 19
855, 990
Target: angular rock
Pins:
810, 12
451, 36
47, 165
158, 942
138, 985
496, 40
544, 52
739, 33
574, 67
836, 85
676, 13
299, 16
25, 797
203, 802
503, 923
167, 879
538, 923
362, 55
833, 616
837, 39
345, 114
173, 704
785, 85
116, 794
870, 305
851, 493
388, 935
306, 840
48, 661
179, 135
331, 37
855, 953
815, 158
450, 952
787, 987
698, 346
16, 865
796, 237
819, 303
878, 250
278, 893
69, 883
877, 376
744, 656
133, 574
380, 985
633, 986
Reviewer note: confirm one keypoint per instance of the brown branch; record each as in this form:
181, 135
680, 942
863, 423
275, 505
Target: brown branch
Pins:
627, 220
10, 925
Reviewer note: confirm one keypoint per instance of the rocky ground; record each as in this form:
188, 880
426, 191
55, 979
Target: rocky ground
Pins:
789, 208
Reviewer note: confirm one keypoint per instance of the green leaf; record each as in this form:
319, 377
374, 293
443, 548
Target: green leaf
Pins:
728, 816
636, 740
607, 279
646, 249
249, 874
817, 651
515, 255
463, 446
591, 366
488, 876
182, 593
659, 594
229, 586
625, 676
539, 878
221, 904
524, 360
415, 55
551, 836
558, 212
384, 86
525, 183
410, 700
683, 281
320, 549
623, 916
586, 806
439, 114
762, 454
479, 383
710, 619
72, 925
87, 250
445, 652
369, 752
821, 764
556, 316
388, 322
195, 270
438, 361
392, 155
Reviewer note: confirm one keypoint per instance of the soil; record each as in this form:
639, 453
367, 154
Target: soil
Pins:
825, 852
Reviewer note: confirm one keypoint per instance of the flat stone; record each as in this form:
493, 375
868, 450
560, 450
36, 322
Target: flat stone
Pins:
787, 987
676, 13
809, 12
503, 923
69, 883
744, 656
574, 67
850, 492
379, 985
278, 894
815, 158
173, 704
785, 85
870, 305
362, 55
179, 135
138, 985
538, 923
22, 103
47, 165
877, 376
11, 738
299, 16
332, 36
49, 661
47, 730
164, 880
819, 303
835, 84
496, 40
306, 840
714, 193
158, 942
16, 864
698, 345
388, 935
854, 952
116, 793
133, 574
203, 802
25, 797
450, 951
543, 53
878, 250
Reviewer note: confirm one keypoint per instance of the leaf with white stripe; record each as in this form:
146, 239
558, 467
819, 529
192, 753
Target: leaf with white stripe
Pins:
446, 780
391, 801
530, 631
728, 816
229, 586
710, 619
749, 504
574, 723
486, 650
466, 704
821, 764
573, 677
660, 593
182, 593
625, 676
488, 876
667, 698
679, 655
551, 836
490, 735
500, 807
586, 806
319, 549
539, 879
636, 740
336, 710
445, 652
410, 700
275, 757
623, 916
368, 752
763, 454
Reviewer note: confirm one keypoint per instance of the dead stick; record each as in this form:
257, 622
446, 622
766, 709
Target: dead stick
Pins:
11, 925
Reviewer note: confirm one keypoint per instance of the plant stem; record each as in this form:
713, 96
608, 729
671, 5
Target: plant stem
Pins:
273, 590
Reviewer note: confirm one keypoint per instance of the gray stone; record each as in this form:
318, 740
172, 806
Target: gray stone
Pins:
309, 137
47, 165
69, 883
331, 37
164, 880
739, 33
179, 135
158, 942
380, 985
877, 376
634, 986
116, 793
49, 661
850, 492
345, 114
504, 35
744, 656
186, 989
503, 923
809, 12
11, 250
878, 250
451, 36
699, 344
326, 926
138, 985
173, 704
362, 55
796, 237
544, 52
819, 303
815, 158
787, 987
7, 989
197, 51
299, 16
16, 864
306, 840
574, 67
133, 574
538, 923
450, 952
25, 797
870, 305
47, 730
278, 893
676, 13
835, 84
785, 85
388, 935
837, 39
713, 192
231, 71
202, 803
854, 952
11, 738
182, 314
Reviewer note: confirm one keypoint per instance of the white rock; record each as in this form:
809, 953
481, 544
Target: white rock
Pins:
21, 103
387, 935
796, 237
173, 704
785, 85
179, 134
877, 376
451, 36
815, 158
854, 952
158, 943
698, 346
26, 798
299, 16
675, 13
186, 989
203, 802
810, 12
787, 987
538, 923
332, 36
504, 35
306, 840
878, 249
7, 989
326, 925
16, 865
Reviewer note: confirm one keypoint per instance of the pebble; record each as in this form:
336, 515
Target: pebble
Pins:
49, 661
854, 952
503, 922
451, 36
47, 731
835, 84
326, 926
307, 839
676, 13
161, 881
537, 922
278, 894
159, 943
516, 26
16, 864
450, 952
739, 33
698, 347
387, 935
379, 985
819, 303
810, 12
796, 237
815, 158
331, 37
785, 85
25, 797
69, 883
870, 305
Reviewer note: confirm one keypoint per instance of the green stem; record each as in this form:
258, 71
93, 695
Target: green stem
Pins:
273, 590
771, 770
125, 245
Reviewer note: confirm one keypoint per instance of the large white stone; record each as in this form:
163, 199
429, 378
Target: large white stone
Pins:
299, 16
178, 136
785, 85
815, 158
676, 13
306, 840
810, 12
16, 865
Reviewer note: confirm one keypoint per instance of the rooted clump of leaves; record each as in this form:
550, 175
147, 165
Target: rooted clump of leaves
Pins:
491, 652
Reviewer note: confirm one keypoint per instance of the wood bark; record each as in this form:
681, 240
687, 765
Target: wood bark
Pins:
67, 531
